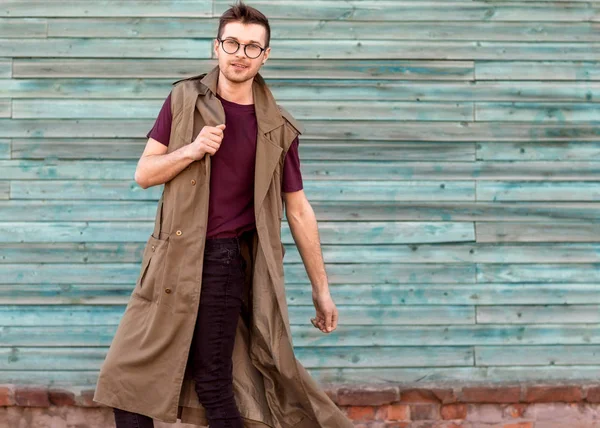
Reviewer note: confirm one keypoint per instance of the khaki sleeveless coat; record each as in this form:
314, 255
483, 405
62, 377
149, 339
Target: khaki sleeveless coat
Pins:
145, 370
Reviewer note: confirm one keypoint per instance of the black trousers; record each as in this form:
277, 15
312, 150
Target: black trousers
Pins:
210, 357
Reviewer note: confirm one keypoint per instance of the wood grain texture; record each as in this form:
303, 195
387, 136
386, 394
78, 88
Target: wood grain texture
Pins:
451, 156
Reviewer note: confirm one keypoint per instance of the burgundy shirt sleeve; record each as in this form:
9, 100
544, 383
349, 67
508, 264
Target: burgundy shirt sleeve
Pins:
161, 131
292, 176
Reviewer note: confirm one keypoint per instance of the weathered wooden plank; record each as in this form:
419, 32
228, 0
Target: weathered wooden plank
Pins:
431, 294
536, 355
584, 272
536, 314
317, 49
538, 191
66, 378
78, 210
538, 151
347, 178
304, 89
333, 129
107, 8
5, 149
312, 29
105, 48
56, 315
349, 68
537, 112
534, 232
436, 376
109, 149
344, 335
343, 294
4, 189
339, 191
114, 273
111, 210
330, 232
385, 356
131, 250
6, 65
67, 358
5, 107
537, 70
419, 49
302, 110
32, 358
420, 377
23, 27
389, 10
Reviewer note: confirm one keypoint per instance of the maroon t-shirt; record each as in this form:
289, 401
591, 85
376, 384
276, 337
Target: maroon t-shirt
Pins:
231, 198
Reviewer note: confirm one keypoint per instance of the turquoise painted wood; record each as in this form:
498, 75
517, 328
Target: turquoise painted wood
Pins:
331, 232
333, 70
344, 294
310, 86
453, 169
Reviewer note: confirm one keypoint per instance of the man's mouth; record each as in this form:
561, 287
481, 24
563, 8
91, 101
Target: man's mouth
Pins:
239, 66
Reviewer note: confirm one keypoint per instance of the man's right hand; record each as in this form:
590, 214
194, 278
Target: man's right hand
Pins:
208, 141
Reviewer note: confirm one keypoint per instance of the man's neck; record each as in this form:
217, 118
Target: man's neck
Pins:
239, 93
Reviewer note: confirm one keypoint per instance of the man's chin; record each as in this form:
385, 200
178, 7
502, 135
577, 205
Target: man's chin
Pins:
239, 78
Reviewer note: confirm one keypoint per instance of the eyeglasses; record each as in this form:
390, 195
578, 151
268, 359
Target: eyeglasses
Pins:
231, 46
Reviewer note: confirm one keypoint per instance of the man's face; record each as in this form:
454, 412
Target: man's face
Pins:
238, 67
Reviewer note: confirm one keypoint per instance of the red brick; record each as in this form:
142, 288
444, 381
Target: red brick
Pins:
421, 395
367, 396
553, 394
491, 394
61, 397
32, 396
454, 411
397, 424
515, 410
86, 399
331, 393
520, 425
393, 412
361, 413
7, 395
424, 412
593, 394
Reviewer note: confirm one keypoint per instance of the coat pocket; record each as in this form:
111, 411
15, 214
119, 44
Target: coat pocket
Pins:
151, 271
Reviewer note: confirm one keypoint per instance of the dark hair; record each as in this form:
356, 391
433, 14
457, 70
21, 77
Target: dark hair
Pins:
245, 14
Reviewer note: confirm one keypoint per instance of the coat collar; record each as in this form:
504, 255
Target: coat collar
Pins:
268, 114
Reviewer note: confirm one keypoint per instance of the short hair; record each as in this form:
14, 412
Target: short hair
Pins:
245, 14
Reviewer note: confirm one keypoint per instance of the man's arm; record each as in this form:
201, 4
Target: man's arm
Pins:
303, 225
156, 166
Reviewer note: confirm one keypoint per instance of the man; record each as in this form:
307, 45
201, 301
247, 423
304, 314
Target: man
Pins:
240, 247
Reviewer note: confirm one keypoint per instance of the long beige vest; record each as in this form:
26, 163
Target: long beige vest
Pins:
145, 368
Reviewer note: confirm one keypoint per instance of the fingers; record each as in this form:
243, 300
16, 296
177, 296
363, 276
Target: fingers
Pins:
214, 130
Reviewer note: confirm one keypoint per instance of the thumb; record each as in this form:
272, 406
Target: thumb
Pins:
221, 126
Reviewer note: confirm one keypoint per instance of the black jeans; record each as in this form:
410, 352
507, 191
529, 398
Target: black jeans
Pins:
214, 336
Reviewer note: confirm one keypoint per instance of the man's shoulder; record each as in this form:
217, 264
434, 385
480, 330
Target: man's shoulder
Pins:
189, 79
290, 120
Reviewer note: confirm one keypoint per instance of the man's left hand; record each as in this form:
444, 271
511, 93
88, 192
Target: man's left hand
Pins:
327, 313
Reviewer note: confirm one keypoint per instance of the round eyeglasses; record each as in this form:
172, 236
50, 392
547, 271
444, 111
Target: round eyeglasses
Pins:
231, 46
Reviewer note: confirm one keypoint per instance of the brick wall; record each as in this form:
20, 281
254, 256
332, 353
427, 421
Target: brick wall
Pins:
468, 406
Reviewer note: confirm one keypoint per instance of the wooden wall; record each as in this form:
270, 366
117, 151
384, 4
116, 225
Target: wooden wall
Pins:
452, 155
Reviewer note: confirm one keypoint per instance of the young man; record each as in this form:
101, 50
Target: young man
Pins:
223, 203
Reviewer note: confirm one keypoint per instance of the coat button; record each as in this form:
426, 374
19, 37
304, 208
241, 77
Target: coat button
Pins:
178, 233
153, 248
168, 290
193, 182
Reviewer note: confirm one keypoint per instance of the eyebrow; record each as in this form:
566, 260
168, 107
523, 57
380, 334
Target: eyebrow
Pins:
236, 39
